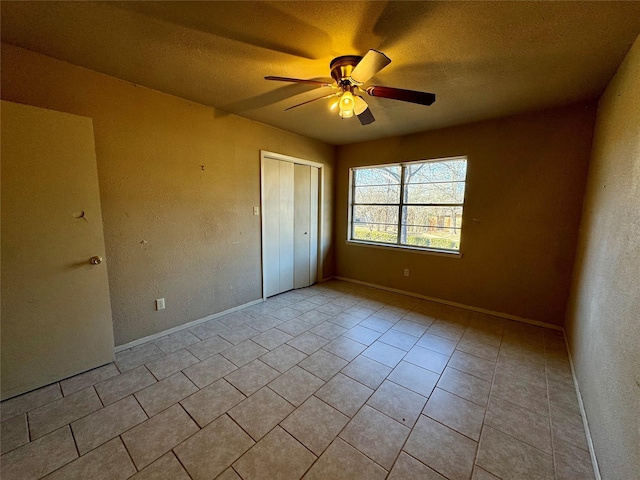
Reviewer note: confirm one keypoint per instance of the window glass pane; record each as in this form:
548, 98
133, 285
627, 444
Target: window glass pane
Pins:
432, 227
371, 232
446, 171
389, 175
446, 192
374, 214
378, 194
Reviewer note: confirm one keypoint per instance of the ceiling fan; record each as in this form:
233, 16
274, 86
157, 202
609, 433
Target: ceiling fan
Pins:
350, 73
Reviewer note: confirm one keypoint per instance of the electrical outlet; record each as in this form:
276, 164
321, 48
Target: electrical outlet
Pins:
406, 272
256, 211
160, 304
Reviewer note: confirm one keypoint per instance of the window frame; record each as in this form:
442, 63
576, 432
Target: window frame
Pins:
418, 249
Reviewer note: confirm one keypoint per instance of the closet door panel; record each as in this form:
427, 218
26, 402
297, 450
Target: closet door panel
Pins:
302, 211
271, 222
286, 221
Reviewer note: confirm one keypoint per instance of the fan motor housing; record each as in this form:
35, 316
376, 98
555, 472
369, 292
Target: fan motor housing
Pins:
341, 68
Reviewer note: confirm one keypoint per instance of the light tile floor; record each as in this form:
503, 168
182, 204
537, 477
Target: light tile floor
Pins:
334, 381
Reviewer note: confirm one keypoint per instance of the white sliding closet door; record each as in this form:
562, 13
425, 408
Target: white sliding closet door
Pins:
290, 225
277, 210
305, 228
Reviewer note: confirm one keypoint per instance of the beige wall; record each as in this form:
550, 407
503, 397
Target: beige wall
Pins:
525, 182
171, 229
603, 320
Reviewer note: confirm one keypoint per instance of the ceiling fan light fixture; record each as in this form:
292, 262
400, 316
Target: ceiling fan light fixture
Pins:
347, 105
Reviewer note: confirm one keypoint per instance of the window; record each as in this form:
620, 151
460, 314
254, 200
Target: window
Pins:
415, 204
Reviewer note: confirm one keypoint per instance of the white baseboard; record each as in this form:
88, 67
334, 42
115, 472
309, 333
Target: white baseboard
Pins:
169, 331
455, 304
583, 414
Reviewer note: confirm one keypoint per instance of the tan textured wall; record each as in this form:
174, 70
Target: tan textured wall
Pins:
525, 182
171, 229
603, 320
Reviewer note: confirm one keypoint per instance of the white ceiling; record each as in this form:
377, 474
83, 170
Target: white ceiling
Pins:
482, 59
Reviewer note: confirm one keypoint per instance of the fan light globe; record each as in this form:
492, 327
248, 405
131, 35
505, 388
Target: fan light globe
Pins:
347, 104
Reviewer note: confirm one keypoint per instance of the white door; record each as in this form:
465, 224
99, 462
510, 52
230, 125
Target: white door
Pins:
56, 311
290, 225
305, 225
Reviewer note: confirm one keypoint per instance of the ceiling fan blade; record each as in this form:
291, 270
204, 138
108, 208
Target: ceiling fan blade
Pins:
370, 64
362, 111
412, 96
299, 80
312, 100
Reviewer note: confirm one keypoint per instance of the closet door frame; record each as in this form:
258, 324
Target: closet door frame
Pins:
286, 158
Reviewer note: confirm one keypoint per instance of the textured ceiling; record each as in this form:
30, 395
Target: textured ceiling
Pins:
481, 59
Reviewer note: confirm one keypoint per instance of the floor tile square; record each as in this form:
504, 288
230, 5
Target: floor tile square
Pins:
330, 308
390, 314
264, 323
209, 347
426, 358
397, 402
304, 306
376, 323
107, 462
315, 424
165, 393
244, 352
445, 329
208, 371
447, 452
385, 354
136, 356
362, 335
61, 412
123, 385
506, 457
465, 386
411, 328
572, 462
328, 330
522, 392
14, 433
166, 366
343, 462
345, 348
323, 364
87, 379
568, 427
252, 377
107, 423
176, 341
208, 329
209, 403
238, 333
295, 327
286, 313
346, 320
476, 366
344, 394
437, 344
296, 385
167, 467
480, 474
278, 455
414, 378
283, 357
40, 457
408, 468
377, 436
308, 342
367, 371
209, 452
156, 436
259, 413
398, 339
523, 424
456, 413
29, 401
315, 317
272, 338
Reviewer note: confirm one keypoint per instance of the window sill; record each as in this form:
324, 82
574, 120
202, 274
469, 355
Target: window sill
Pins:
438, 253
